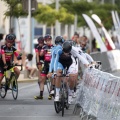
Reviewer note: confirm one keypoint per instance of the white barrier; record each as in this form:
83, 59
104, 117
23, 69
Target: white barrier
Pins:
99, 95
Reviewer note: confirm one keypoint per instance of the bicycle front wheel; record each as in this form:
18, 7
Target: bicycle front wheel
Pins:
3, 91
14, 85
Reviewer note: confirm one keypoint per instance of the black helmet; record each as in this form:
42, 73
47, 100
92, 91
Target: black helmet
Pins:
59, 40
10, 37
67, 47
41, 39
47, 37
14, 36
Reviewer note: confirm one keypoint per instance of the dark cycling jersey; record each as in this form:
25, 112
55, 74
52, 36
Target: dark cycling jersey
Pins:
47, 55
47, 58
9, 52
65, 60
38, 49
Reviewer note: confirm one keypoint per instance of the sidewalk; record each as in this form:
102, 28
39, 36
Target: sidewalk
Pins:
22, 79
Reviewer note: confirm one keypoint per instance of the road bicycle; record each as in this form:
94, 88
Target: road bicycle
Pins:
10, 83
63, 101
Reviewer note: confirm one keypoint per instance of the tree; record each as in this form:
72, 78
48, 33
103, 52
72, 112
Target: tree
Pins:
82, 6
47, 15
14, 10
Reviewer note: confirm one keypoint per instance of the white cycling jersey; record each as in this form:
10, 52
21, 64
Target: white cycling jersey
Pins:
83, 57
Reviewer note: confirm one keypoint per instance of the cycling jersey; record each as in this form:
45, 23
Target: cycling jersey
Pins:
77, 52
56, 51
47, 55
47, 58
60, 61
65, 60
38, 49
9, 52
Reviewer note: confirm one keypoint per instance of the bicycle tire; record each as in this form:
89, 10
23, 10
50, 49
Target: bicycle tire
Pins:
57, 107
3, 92
66, 97
62, 104
62, 99
14, 86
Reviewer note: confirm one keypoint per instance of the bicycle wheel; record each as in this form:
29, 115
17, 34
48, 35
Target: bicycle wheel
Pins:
62, 100
3, 90
62, 104
66, 101
66, 97
57, 106
14, 86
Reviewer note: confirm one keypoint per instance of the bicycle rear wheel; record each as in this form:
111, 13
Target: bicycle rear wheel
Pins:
14, 86
3, 91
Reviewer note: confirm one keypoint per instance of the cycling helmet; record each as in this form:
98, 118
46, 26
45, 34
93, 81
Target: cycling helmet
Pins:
14, 36
47, 37
67, 47
41, 39
59, 40
10, 38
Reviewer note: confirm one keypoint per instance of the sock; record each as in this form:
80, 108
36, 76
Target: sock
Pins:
70, 92
57, 91
41, 93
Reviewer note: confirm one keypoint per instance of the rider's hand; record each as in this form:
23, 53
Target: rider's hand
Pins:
5, 66
49, 75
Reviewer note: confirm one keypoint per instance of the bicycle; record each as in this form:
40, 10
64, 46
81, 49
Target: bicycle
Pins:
10, 83
63, 102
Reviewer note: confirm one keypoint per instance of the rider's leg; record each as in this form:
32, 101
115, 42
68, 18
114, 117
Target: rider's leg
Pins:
39, 73
42, 81
1, 75
57, 84
17, 72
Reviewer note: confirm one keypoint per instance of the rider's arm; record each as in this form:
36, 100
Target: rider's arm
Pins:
76, 53
37, 54
58, 52
52, 60
90, 59
3, 55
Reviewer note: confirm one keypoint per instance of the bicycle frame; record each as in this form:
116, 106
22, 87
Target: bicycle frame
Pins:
11, 80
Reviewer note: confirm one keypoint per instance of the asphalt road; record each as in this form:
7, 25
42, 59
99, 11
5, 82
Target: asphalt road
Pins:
27, 108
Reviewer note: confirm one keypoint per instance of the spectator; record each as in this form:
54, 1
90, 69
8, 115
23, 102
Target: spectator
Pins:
65, 37
83, 41
28, 65
76, 39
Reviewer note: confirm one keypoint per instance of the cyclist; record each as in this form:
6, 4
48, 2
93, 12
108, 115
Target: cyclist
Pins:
8, 52
46, 52
39, 48
62, 58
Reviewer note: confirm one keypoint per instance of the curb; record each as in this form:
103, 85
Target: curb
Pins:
27, 80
